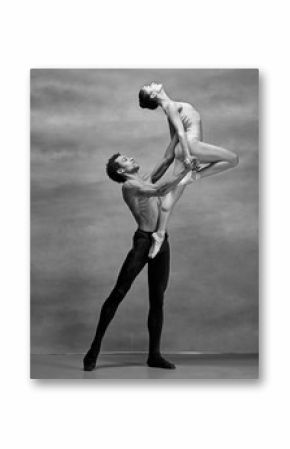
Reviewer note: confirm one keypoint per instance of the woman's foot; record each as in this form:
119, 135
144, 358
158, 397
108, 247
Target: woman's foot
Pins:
158, 238
157, 361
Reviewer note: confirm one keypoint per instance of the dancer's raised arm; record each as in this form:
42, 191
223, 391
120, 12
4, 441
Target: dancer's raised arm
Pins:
171, 129
168, 157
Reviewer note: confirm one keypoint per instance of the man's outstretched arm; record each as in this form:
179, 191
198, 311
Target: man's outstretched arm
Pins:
160, 189
165, 162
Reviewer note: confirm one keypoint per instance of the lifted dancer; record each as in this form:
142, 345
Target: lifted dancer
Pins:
185, 127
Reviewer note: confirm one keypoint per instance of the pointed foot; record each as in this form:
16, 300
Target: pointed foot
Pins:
158, 238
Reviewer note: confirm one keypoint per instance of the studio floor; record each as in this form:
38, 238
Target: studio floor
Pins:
133, 366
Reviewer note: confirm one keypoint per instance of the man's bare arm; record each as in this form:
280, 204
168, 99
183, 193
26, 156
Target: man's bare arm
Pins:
165, 162
160, 189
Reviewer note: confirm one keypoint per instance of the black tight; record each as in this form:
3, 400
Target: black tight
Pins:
158, 273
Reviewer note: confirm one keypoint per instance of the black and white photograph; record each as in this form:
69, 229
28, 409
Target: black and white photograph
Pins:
144, 223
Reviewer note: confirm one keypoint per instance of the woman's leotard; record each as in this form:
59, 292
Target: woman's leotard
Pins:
191, 121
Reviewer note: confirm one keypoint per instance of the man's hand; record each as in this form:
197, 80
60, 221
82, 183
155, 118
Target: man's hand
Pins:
195, 163
188, 163
192, 163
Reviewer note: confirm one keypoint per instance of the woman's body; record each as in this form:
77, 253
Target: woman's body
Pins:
186, 129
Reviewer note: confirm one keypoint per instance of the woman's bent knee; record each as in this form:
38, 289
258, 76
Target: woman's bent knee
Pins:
233, 159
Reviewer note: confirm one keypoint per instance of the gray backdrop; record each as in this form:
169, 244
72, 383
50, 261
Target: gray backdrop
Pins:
81, 230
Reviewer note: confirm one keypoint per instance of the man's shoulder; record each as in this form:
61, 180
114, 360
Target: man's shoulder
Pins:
133, 183
130, 185
136, 186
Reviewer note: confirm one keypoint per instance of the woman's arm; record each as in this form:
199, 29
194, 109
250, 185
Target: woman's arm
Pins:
171, 128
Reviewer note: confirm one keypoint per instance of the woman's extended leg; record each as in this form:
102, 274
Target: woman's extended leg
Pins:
218, 159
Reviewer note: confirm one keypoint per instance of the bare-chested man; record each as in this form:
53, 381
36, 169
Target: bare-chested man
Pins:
141, 194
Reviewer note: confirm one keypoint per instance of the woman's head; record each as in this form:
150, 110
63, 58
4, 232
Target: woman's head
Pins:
148, 95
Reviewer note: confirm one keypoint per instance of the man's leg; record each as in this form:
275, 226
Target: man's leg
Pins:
158, 274
134, 263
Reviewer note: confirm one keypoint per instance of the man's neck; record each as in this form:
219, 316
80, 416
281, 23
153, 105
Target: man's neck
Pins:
134, 176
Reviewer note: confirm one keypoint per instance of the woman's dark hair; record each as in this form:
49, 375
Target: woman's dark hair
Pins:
145, 101
112, 168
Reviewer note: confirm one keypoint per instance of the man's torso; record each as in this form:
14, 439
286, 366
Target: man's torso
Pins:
145, 210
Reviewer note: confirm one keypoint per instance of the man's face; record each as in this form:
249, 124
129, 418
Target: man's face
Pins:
127, 164
153, 88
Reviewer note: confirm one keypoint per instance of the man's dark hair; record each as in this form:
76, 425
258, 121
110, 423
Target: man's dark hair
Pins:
112, 167
145, 101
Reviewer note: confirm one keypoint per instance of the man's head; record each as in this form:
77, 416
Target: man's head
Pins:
119, 165
148, 95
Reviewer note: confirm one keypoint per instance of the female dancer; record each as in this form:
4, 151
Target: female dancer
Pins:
185, 127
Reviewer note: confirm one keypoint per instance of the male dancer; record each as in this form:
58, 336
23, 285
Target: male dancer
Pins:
141, 195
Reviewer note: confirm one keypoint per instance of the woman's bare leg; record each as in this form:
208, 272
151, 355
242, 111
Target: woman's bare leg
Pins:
218, 159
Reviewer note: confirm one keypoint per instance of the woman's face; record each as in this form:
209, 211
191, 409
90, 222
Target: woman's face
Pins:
153, 88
